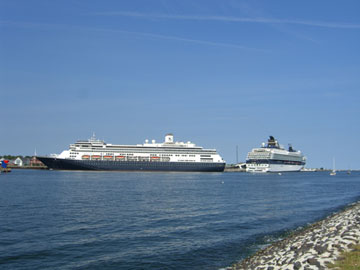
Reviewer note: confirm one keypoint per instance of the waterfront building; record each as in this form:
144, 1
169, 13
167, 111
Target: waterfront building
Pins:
19, 162
35, 162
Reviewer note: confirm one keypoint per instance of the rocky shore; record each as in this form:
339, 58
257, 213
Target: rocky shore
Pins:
314, 247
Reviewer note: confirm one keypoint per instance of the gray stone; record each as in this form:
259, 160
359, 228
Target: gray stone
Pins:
320, 249
313, 261
297, 265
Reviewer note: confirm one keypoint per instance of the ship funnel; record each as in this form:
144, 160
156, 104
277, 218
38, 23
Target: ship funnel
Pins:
291, 149
169, 138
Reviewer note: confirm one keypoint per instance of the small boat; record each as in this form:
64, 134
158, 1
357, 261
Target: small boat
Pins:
333, 172
4, 166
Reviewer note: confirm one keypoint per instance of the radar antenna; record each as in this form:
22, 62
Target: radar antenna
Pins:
93, 137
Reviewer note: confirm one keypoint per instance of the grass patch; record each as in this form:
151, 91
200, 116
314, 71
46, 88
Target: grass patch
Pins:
348, 260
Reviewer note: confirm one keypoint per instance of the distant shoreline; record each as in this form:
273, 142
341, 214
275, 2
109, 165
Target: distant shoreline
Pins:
235, 169
28, 167
227, 169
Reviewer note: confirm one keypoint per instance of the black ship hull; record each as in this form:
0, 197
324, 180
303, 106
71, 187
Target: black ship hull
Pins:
105, 165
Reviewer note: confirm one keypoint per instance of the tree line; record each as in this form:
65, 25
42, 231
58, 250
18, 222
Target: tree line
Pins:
11, 157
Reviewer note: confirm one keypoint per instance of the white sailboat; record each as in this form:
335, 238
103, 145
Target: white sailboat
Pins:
349, 170
333, 172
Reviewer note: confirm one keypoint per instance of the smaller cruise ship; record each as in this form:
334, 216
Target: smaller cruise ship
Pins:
272, 157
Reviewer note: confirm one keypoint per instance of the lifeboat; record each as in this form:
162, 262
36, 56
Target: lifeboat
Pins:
154, 158
85, 157
95, 157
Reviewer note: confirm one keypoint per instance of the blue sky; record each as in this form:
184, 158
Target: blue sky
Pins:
218, 73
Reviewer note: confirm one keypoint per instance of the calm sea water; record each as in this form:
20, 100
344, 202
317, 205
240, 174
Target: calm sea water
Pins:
111, 220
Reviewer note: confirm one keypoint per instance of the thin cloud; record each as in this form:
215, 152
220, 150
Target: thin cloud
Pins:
157, 36
231, 19
142, 34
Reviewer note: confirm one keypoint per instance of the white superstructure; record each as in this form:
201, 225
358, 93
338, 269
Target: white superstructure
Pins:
167, 151
272, 157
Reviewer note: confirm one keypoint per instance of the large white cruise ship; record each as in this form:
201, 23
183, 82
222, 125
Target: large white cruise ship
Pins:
169, 155
272, 157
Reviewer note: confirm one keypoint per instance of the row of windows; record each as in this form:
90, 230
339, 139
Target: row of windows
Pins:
109, 153
182, 151
271, 161
206, 159
162, 164
132, 156
73, 154
148, 159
